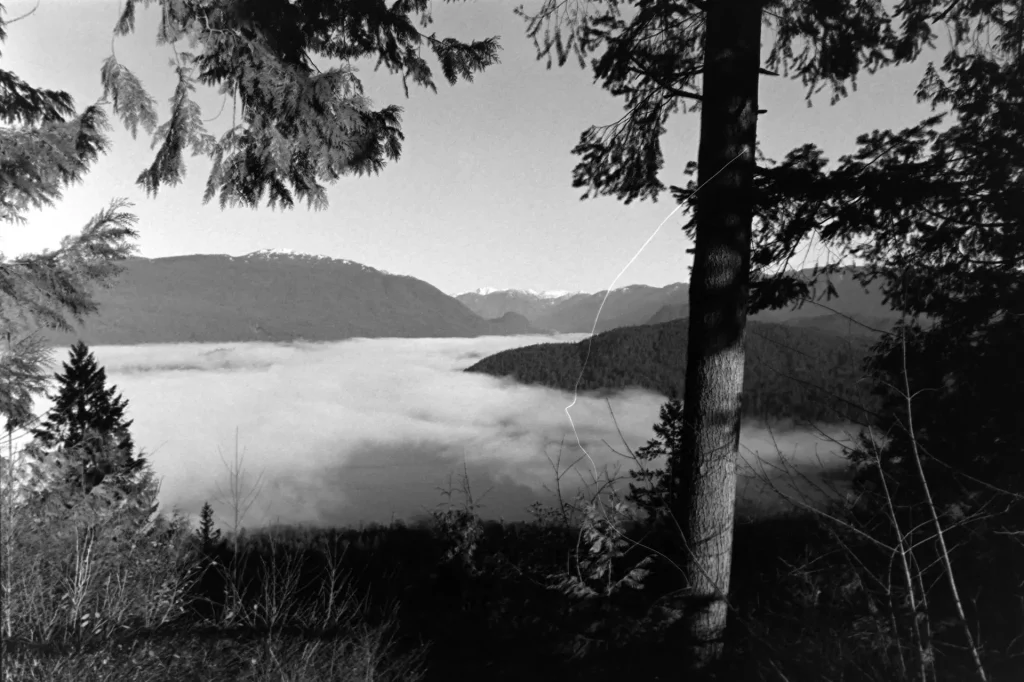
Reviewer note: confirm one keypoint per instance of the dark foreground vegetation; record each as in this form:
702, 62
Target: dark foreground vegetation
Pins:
588, 590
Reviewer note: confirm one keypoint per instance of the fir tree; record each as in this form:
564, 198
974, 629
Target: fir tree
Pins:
650, 492
87, 425
208, 533
664, 57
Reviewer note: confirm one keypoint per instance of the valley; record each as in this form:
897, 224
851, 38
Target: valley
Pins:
366, 430
358, 392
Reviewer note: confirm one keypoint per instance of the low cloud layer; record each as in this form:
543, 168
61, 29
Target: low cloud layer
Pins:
367, 429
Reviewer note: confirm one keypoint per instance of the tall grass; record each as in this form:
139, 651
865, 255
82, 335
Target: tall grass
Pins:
95, 590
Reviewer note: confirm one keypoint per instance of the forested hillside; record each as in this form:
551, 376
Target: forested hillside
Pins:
791, 372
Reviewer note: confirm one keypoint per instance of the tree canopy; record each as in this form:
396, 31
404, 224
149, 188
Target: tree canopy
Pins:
294, 126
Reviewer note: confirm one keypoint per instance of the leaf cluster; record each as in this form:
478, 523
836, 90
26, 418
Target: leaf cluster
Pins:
651, 53
294, 126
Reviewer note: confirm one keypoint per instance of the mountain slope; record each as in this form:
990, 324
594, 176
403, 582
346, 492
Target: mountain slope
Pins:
848, 325
626, 307
639, 304
512, 323
494, 303
269, 296
567, 312
853, 301
669, 312
791, 372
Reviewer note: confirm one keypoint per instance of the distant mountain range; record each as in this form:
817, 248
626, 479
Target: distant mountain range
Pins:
493, 303
575, 312
638, 305
274, 296
280, 296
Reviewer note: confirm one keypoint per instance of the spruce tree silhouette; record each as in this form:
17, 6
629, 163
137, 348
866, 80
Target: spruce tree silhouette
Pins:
88, 426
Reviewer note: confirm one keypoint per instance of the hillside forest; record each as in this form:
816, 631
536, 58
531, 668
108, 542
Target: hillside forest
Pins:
791, 373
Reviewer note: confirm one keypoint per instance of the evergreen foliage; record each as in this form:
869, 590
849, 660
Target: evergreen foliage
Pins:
208, 535
935, 213
654, 59
87, 426
44, 148
208, 532
649, 489
792, 373
22, 377
294, 126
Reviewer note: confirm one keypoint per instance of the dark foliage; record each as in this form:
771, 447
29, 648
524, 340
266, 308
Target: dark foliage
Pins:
88, 427
294, 126
791, 373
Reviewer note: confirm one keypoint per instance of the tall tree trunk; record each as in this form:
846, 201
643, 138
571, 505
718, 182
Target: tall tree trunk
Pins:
704, 472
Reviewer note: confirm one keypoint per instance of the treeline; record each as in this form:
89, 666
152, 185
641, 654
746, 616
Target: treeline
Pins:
791, 372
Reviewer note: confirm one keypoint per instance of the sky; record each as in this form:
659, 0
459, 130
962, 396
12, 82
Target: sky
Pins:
482, 196
353, 431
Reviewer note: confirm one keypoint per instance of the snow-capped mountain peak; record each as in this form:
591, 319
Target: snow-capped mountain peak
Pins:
285, 253
296, 255
549, 295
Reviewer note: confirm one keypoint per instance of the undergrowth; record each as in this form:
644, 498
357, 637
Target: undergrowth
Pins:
588, 589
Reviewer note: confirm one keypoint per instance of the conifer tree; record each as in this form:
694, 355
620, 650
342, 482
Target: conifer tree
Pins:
650, 492
207, 532
667, 56
87, 425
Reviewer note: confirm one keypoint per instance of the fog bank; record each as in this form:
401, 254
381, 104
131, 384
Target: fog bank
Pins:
368, 429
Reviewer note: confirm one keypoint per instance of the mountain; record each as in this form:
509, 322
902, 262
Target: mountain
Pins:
575, 312
625, 307
271, 296
669, 312
511, 324
493, 303
848, 325
852, 299
638, 305
791, 371
853, 304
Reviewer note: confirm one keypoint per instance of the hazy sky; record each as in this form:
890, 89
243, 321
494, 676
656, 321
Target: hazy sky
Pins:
482, 195
354, 430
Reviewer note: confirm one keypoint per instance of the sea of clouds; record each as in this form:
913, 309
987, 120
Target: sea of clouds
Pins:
368, 430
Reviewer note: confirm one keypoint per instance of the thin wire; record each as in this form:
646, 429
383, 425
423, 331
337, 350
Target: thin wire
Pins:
590, 343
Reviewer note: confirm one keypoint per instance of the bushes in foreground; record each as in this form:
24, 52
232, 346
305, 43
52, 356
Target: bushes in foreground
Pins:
586, 590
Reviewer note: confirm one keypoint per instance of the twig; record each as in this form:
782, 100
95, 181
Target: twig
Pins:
948, 565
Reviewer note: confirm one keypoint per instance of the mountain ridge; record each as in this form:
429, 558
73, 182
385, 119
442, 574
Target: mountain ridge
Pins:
271, 296
640, 304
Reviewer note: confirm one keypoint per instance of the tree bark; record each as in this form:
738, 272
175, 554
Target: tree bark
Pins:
704, 472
